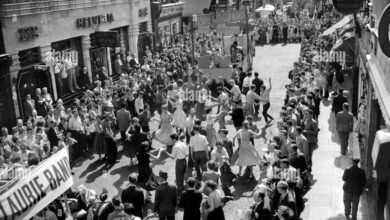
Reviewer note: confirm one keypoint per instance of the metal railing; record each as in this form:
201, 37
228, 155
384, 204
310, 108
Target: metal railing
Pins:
11, 8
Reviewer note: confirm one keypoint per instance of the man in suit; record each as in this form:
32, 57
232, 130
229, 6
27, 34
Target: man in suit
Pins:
344, 126
165, 200
310, 130
118, 64
28, 106
190, 201
284, 198
355, 180
134, 195
123, 119
262, 208
338, 102
258, 83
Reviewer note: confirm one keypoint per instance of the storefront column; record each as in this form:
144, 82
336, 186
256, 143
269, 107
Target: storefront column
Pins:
14, 71
45, 52
133, 39
86, 45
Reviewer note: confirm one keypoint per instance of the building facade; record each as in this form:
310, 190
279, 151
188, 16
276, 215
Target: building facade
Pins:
44, 38
373, 109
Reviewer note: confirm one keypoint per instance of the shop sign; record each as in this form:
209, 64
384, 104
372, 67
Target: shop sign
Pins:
143, 12
221, 18
28, 33
347, 6
94, 20
36, 188
105, 39
383, 31
171, 10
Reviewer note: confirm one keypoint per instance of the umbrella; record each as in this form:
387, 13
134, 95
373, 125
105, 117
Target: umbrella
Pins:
266, 7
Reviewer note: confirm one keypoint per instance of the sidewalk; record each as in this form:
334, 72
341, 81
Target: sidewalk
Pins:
325, 199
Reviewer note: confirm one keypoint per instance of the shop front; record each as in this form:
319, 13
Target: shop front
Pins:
169, 22
373, 115
58, 50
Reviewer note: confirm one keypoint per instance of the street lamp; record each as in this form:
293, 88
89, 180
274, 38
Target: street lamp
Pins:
193, 28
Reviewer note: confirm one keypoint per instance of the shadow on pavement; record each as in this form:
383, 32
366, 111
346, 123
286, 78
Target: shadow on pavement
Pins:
332, 128
342, 162
91, 167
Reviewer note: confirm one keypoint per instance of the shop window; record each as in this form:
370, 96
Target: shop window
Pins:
67, 63
29, 57
143, 27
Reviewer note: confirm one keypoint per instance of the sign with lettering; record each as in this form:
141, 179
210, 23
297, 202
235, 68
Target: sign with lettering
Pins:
105, 39
94, 20
28, 33
347, 6
171, 9
221, 18
143, 12
36, 188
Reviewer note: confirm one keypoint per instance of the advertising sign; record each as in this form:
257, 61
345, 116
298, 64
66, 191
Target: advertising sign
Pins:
36, 188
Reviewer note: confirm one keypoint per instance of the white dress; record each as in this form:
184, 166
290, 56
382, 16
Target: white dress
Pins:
179, 117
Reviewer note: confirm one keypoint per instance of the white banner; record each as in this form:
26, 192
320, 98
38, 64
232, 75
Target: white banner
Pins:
36, 188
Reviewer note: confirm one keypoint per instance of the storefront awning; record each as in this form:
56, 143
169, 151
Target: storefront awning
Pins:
195, 7
343, 42
342, 23
382, 90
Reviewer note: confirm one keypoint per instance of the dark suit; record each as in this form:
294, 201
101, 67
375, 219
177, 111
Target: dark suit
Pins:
263, 210
52, 136
28, 108
135, 196
355, 180
165, 201
338, 102
118, 67
298, 161
123, 118
190, 201
288, 200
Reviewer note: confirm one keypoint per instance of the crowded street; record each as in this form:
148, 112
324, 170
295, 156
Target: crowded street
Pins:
194, 110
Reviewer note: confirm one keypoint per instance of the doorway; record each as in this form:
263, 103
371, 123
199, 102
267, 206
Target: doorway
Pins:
30, 79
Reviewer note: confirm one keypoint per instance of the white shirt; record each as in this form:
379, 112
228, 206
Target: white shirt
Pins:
236, 93
139, 104
190, 124
199, 142
219, 157
223, 100
179, 150
246, 82
75, 124
265, 96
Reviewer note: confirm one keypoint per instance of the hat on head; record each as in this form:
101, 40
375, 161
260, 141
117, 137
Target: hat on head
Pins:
163, 174
223, 131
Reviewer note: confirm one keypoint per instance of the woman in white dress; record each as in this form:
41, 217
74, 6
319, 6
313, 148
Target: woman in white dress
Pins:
269, 33
212, 136
179, 117
247, 154
165, 130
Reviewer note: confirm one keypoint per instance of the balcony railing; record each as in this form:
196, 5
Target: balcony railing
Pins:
11, 8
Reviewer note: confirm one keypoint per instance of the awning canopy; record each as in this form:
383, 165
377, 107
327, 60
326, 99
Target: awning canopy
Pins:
266, 7
195, 7
342, 23
342, 43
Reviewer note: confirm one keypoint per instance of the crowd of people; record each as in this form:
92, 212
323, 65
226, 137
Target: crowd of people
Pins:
166, 85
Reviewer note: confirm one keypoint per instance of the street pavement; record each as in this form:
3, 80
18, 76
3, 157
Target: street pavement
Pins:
324, 199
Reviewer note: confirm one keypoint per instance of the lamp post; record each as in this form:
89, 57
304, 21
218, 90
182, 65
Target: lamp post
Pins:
246, 3
193, 28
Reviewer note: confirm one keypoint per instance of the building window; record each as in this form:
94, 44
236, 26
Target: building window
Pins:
143, 27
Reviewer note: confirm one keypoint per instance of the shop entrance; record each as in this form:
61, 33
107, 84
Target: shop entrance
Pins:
143, 41
7, 112
29, 79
